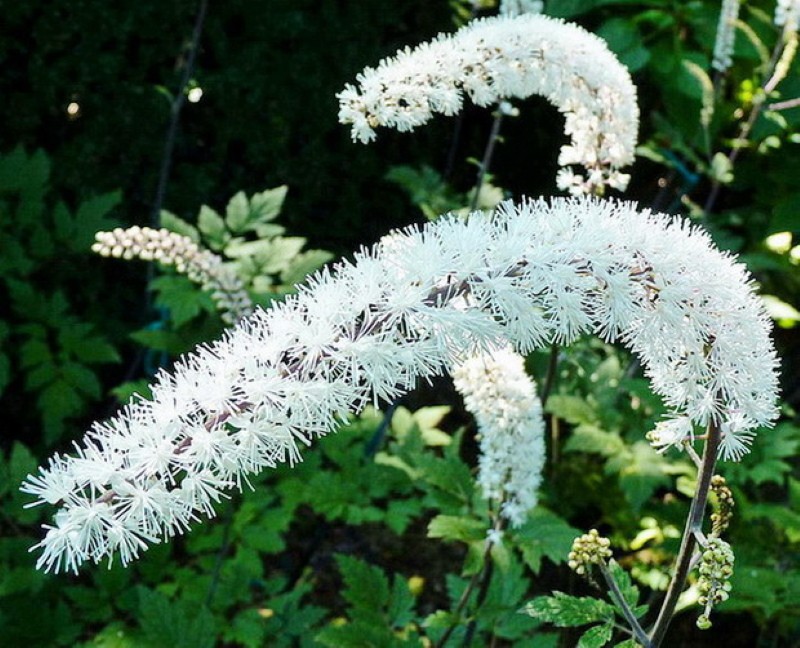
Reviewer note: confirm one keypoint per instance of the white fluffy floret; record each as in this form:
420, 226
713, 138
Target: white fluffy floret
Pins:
503, 400
507, 57
414, 306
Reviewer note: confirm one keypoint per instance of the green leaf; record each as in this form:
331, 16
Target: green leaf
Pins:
572, 409
181, 297
544, 535
237, 213
591, 439
366, 586
266, 206
566, 611
213, 228
451, 527
597, 636
178, 624
641, 471
175, 224
624, 40
93, 215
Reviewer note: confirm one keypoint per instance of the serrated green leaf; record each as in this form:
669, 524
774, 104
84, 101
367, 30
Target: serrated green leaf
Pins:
268, 204
212, 227
544, 535
452, 527
93, 215
237, 213
175, 224
366, 586
176, 624
566, 611
597, 636
82, 378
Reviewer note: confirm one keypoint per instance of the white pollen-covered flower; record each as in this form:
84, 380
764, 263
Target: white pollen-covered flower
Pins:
503, 400
172, 249
507, 57
414, 306
726, 35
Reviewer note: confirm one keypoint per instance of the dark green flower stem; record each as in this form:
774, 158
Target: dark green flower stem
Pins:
694, 524
619, 599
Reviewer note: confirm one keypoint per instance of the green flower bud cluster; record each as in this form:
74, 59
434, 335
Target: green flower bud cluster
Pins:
721, 517
716, 569
587, 550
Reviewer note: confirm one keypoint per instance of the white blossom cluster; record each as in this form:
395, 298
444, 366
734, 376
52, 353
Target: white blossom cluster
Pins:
787, 15
504, 57
503, 400
726, 35
169, 248
414, 306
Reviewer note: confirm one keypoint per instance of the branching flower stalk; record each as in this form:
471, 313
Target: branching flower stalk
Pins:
502, 58
414, 306
200, 265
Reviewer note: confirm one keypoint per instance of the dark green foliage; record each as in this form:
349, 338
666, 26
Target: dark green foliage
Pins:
51, 345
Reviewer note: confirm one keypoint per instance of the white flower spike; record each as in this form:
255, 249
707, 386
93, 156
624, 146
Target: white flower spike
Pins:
507, 57
420, 302
503, 400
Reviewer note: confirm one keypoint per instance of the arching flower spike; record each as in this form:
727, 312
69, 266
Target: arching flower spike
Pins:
505, 57
420, 302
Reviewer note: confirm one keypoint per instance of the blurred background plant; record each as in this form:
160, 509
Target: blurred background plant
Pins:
377, 537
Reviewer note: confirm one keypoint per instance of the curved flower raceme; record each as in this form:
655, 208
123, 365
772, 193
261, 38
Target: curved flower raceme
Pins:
418, 303
200, 265
503, 400
507, 57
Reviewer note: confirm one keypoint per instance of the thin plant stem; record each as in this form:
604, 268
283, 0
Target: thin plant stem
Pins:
175, 110
694, 523
486, 162
486, 579
550, 378
619, 599
462, 601
220, 558
785, 105
477, 577
175, 107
